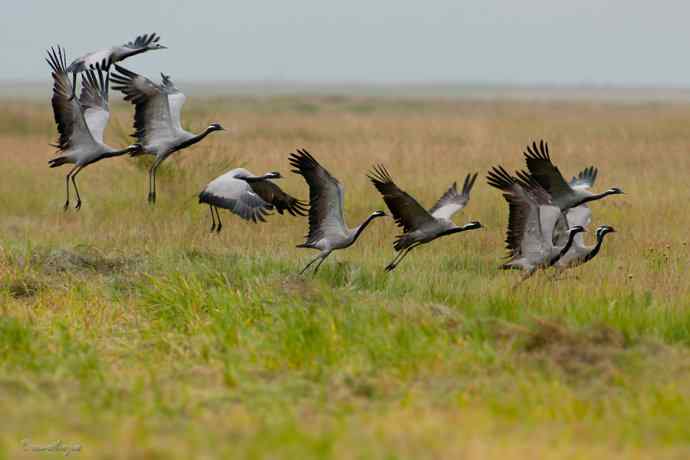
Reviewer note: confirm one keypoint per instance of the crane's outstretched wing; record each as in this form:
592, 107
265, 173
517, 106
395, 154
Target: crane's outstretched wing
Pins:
273, 194
153, 119
585, 179
545, 172
142, 41
407, 212
453, 201
325, 198
94, 102
532, 219
234, 194
66, 110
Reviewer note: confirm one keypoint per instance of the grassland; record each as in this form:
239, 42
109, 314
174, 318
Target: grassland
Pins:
133, 332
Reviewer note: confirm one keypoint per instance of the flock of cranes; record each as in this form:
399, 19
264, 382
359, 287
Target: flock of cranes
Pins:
547, 214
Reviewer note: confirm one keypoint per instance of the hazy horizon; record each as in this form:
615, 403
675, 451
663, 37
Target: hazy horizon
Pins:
533, 43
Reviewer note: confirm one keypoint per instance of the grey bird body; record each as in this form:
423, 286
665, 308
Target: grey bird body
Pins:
157, 121
81, 123
531, 224
248, 196
327, 229
419, 225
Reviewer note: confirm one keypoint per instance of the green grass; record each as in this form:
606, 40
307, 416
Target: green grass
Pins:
135, 333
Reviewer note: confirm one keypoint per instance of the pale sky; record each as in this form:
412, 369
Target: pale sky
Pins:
611, 42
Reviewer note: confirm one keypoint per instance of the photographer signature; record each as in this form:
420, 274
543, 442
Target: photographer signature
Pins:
57, 446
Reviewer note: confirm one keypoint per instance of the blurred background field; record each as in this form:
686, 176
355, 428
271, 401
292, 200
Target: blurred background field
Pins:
136, 333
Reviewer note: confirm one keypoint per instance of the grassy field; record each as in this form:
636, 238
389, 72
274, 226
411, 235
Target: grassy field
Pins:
134, 333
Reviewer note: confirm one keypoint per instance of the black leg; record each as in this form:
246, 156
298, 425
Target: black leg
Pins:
391, 265
310, 263
316, 269
213, 219
395, 263
67, 186
220, 222
76, 190
152, 180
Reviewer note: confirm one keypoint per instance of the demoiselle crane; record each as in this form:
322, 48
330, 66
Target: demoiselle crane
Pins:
419, 225
250, 197
108, 56
327, 228
563, 194
157, 118
531, 223
80, 123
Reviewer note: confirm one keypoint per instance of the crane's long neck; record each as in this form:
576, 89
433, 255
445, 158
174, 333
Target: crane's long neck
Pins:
130, 52
595, 250
564, 250
456, 230
194, 139
597, 196
358, 231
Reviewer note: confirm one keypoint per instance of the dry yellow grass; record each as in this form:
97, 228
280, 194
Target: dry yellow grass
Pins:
134, 332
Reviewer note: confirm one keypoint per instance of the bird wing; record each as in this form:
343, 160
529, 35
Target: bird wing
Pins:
143, 40
66, 110
273, 194
94, 102
176, 100
585, 179
532, 218
153, 122
236, 195
91, 60
545, 172
453, 201
325, 197
407, 212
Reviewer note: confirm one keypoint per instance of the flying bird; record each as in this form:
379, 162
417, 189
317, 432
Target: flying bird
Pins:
531, 223
157, 118
564, 195
327, 228
419, 225
108, 56
250, 197
80, 123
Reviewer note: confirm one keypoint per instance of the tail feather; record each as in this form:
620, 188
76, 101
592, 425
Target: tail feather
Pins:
58, 161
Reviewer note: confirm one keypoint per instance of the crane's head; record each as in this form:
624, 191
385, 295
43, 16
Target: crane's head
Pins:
215, 127
575, 229
472, 225
603, 230
273, 175
377, 214
614, 191
156, 46
135, 148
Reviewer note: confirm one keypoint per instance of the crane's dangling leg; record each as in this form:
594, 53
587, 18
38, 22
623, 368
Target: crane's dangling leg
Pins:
220, 222
213, 218
323, 257
320, 257
67, 186
76, 190
395, 262
152, 180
